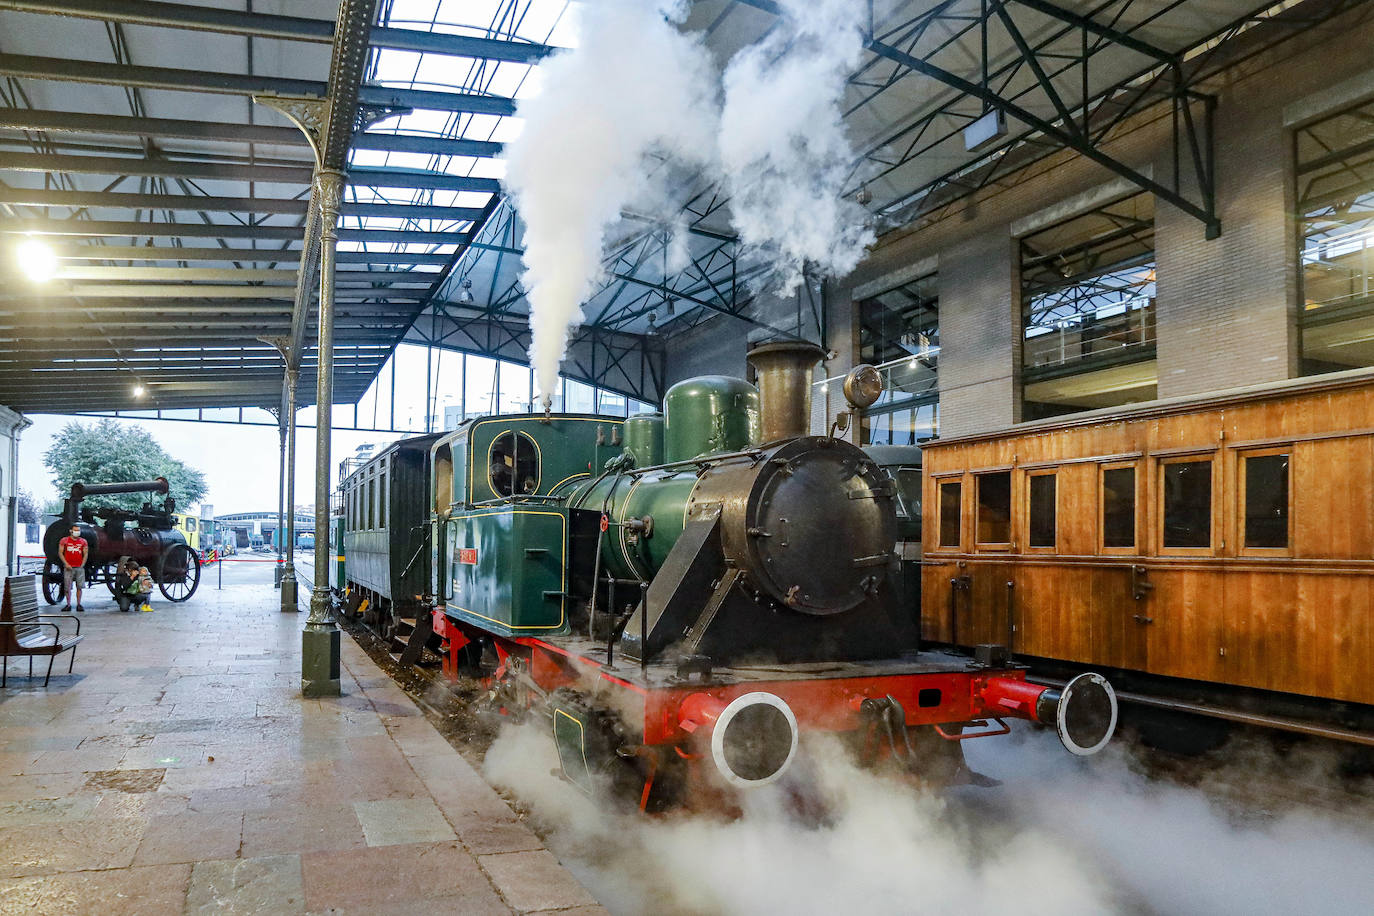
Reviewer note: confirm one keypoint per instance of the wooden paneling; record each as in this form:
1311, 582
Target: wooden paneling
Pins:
1333, 498
1299, 623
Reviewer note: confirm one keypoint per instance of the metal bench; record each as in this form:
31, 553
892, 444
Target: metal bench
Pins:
22, 628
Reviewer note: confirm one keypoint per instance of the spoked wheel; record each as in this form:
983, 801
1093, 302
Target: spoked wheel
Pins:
52, 582
178, 572
109, 572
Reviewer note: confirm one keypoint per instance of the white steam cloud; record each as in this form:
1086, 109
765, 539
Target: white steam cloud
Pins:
634, 88
637, 102
783, 148
1063, 836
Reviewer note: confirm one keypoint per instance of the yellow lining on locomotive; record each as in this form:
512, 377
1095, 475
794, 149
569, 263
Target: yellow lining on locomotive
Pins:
563, 574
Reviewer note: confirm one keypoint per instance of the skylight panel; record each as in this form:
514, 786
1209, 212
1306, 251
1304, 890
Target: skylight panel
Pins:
396, 67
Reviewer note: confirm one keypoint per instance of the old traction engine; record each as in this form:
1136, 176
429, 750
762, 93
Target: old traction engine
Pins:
149, 536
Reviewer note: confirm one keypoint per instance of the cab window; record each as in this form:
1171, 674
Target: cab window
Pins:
908, 482
514, 465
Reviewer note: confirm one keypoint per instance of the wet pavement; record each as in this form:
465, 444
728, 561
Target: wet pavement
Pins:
178, 770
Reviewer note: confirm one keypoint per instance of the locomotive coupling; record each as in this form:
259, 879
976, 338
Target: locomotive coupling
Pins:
1083, 712
753, 738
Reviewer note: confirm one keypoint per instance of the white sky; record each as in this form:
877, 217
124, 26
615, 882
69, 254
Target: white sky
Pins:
240, 462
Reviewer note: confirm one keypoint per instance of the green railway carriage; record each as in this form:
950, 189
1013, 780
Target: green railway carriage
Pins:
338, 574
385, 530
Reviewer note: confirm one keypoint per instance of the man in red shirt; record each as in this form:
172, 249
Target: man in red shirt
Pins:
73, 551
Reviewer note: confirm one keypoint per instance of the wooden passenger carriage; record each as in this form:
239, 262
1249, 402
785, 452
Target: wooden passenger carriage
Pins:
1227, 539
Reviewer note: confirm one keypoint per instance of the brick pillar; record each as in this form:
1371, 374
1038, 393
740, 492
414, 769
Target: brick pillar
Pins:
1226, 308
980, 335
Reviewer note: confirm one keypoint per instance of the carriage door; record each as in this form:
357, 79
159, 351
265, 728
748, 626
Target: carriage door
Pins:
1122, 606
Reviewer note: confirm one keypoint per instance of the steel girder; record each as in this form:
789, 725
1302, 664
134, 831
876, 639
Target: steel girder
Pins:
1032, 79
631, 364
239, 255
96, 228
113, 74
290, 28
131, 165
42, 197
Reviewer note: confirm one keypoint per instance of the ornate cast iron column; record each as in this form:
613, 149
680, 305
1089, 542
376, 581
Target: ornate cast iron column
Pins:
289, 604
320, 639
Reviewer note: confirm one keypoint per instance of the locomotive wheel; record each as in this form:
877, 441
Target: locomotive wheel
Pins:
178, 573
52, 582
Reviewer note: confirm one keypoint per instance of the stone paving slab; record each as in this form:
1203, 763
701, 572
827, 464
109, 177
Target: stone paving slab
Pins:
178, 770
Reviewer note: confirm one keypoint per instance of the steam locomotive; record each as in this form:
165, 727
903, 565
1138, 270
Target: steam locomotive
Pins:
680, 595
149, 535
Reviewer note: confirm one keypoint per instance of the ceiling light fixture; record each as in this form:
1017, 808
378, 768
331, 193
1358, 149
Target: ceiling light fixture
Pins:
36, 259
139, 391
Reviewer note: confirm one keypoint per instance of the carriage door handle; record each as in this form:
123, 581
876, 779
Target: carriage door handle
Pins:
1140, 586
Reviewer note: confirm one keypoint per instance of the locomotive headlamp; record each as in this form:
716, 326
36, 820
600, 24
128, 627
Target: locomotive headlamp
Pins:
36, 259
863, 386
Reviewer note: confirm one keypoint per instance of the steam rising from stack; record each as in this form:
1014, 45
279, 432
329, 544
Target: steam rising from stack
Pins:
638, 102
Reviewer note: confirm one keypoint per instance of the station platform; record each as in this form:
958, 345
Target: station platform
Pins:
179, 770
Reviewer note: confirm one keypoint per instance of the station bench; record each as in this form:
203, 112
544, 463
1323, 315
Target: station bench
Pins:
22, 628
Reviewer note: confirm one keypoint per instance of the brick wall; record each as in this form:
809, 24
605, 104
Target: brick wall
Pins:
1226, 308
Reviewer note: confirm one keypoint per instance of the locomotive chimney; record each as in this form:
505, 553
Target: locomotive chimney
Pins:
784, 381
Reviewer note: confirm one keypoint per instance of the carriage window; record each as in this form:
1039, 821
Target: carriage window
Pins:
994, 508
371, 503
1118, 507
514, 466
1042, 510
951, 497
1266, 501
381, 502
1188, 504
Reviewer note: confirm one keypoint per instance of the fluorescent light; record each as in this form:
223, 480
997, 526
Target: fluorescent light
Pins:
37, 260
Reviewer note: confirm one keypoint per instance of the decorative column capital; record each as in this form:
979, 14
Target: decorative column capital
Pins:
329, 185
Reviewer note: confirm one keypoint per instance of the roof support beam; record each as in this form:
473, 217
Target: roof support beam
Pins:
459, 45
38, 197
98, 228
98, 72
182, 16
1064, 135
268, 25
229, 171
229, 132
82, 291
91, 71
239, 255
384, 97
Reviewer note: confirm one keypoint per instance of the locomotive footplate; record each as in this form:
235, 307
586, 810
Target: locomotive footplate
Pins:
931, 688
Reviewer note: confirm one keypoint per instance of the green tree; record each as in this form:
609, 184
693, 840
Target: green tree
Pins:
110, 452
28, 510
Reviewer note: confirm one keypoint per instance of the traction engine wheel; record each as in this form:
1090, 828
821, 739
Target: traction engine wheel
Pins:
178, 572
109, 572
52, 582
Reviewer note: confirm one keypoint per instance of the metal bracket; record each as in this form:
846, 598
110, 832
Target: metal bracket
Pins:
308, 112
